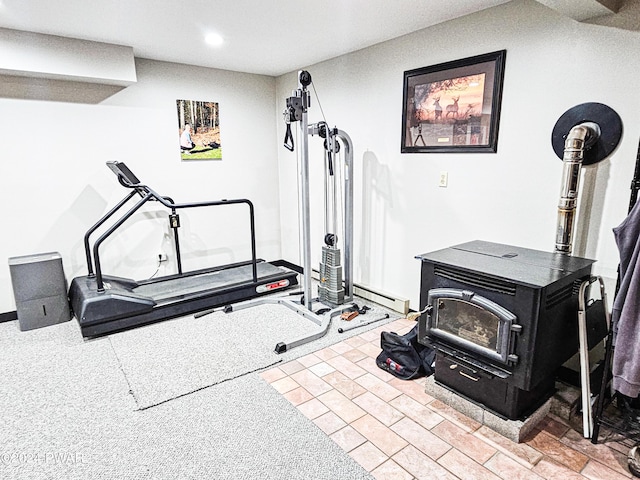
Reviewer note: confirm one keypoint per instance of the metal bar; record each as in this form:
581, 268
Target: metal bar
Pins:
635, 183
323, 321
176, 242
333, 179
327, 199
105, 235
585, 381
348, 215
353, 327
253, 241
608, 357
87, 247
211, 203
303, 199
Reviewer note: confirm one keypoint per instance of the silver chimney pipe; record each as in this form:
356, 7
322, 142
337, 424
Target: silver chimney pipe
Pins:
580, 138
594, 131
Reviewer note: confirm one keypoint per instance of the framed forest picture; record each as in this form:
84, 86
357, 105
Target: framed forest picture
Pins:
199, 130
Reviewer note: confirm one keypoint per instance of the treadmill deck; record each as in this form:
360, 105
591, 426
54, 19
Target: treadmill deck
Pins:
179, 287
126, 303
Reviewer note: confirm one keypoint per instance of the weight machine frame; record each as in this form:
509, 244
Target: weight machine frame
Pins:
296, 111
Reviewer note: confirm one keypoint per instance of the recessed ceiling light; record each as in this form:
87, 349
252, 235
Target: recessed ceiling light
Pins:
214, 39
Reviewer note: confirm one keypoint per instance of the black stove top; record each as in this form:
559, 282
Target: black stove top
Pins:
516, 264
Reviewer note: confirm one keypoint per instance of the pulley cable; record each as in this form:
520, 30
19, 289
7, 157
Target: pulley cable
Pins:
319, 104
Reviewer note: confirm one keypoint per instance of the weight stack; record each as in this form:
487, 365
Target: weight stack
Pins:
330, 290
40, 290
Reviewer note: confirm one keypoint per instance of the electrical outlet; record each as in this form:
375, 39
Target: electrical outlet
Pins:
162, 257
444, 179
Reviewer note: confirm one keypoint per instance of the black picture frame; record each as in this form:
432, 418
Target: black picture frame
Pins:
468, 118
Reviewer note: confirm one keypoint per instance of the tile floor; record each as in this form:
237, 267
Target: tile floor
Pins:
396, 431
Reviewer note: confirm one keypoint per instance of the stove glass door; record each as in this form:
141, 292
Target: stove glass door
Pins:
469, 322
473, 323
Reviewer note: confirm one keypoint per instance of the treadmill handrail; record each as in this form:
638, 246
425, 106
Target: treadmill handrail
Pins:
109, 214
169, 203
150, 194
105, 235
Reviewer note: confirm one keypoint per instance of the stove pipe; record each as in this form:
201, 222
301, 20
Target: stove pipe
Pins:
580, 138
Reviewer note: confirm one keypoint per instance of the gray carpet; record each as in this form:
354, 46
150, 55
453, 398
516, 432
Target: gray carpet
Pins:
177, 357
70, 408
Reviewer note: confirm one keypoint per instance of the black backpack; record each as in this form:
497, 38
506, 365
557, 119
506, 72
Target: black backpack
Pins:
404, 357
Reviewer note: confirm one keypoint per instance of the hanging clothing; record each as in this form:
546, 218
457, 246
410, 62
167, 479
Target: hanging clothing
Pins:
626, 307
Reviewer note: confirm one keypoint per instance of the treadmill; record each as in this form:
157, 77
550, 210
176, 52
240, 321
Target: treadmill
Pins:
104, 304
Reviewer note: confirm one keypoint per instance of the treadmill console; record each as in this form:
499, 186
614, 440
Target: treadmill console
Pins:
123, 173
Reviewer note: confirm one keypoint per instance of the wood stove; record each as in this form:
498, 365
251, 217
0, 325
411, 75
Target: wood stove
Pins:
503, 319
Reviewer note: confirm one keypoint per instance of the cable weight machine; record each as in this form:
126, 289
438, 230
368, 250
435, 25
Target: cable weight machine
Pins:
338, 192
335, 291
331, 290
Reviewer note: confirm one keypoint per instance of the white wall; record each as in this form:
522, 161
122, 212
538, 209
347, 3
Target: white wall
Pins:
553, 63
54, 183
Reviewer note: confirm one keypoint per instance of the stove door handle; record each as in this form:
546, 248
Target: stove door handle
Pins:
468, 376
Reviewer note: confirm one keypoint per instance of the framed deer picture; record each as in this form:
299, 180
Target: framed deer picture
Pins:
453, 106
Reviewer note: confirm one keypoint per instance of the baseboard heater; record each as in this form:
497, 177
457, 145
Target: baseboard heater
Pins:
400, 305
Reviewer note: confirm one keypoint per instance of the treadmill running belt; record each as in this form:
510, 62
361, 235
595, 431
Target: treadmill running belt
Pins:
193, 284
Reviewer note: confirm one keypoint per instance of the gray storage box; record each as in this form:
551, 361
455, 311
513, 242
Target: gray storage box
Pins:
40, 290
